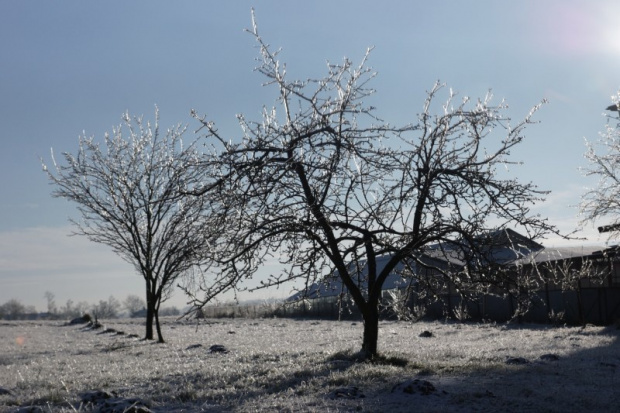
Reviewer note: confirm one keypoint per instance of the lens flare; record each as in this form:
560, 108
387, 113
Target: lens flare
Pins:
611, 41
576, 29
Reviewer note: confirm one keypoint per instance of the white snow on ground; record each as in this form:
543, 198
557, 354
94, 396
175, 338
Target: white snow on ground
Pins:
294, 365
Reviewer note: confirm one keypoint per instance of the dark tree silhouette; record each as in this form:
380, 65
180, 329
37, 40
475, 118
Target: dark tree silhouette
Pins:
323, 184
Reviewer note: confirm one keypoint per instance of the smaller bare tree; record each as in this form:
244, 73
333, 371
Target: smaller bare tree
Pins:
130, 196
106, 309
72, 310
134, 304
603, 201
12, 310
51, 303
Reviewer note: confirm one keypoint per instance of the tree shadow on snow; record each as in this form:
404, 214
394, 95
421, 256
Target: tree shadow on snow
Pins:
577, 380
581, 379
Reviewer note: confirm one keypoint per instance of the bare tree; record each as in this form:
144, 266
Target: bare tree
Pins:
13, 310
71, 310
52, 310
603, 201
129, 194
106, 309
134, 304
327, 186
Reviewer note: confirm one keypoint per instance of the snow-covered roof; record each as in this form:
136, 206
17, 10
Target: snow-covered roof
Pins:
559, 253
504, 247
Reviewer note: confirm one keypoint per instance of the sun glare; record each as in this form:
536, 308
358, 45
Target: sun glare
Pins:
605, 28
612, 38
579, 29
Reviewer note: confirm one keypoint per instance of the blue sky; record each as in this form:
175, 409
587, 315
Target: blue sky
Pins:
75, 66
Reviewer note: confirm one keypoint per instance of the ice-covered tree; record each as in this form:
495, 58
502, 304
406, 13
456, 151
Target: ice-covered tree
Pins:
106, 309
129, 191
603, 201
323, 184
13, 309
51, 303
133, 304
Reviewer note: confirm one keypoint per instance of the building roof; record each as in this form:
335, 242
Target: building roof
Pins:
503, 247
332, 284
559, 253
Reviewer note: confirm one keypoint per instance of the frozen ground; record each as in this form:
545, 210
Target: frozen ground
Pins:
292, 365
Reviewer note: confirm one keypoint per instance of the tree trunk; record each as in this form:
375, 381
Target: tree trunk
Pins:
371, 330
160, 337
150, 314
149, 323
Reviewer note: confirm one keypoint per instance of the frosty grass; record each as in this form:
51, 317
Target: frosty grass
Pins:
309, 365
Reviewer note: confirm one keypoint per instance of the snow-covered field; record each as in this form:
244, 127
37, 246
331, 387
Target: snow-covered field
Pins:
307, 365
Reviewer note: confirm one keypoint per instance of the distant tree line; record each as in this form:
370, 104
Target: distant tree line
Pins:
14, 310
133, 306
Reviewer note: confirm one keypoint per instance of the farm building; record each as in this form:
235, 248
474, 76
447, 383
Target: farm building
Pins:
570, 284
